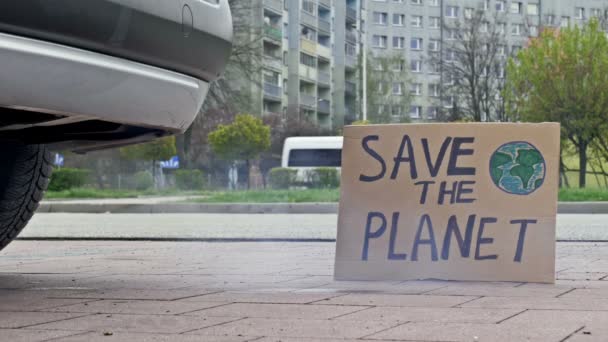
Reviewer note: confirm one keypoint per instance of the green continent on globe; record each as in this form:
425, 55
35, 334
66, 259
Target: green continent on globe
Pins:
498, 160
525, 170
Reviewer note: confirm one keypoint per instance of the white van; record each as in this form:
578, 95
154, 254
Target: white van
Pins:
307, 153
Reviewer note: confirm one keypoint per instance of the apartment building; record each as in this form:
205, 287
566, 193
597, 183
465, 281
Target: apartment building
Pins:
310, 54
417, 28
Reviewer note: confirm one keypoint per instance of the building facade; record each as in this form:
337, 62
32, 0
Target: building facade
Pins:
310, 62
418, 28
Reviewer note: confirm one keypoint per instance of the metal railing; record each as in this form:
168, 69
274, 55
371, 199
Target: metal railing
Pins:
273, 62
324, 77
324, 106
272, 90
324, 25
351, 37
351, 13
350, 87
273, 32
308, 100
276, 5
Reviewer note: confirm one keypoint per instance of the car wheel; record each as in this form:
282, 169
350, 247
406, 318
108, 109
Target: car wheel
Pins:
25, 171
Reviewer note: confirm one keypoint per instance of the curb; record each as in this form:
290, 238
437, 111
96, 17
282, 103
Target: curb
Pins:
245, 208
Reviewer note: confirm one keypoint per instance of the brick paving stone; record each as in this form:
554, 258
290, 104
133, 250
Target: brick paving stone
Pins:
139, 337
290, 339
282, 311
399, 300
567, 275
26, 335
466, 332
35, 303
135, 294
261, 297
152, 324
496, 291
137, 307
595, 322
12, 320
443, 315
295, 328
590, 304
587, 293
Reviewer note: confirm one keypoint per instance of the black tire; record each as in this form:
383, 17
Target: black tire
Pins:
25, 171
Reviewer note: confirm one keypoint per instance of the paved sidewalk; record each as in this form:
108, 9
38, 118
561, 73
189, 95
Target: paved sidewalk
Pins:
269, 292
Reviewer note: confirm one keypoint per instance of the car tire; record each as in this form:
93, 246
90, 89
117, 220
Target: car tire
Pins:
25, 171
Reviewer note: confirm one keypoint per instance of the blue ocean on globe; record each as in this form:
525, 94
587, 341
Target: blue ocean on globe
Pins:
518, 168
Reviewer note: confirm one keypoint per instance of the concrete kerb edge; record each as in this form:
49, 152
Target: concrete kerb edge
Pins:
247, 208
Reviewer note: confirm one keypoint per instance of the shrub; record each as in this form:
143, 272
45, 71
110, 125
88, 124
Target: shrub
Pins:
143, 180
282, 178
189, 179
324, 177
67, 178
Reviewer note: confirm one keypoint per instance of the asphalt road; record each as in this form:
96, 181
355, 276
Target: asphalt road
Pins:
241, 226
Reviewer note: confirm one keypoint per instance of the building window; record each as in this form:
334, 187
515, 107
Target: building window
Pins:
516, 29
397, 88
308, 60
416, 66
398, 42
450, 56
515, 49
501, 28
565, 22
416, 89
515, 7
416, 2
532, 9
397, 110
380, 18
434, 3
550, 19
451, 34
416, 21
398, 19
533, 31
580, 13
434, 45
468, 13
596, 12
452, 12
500, 6
399, 66
433, 112
415, 112
416, 44
501, 50
434, 90
379, 41
435, 22
309, 6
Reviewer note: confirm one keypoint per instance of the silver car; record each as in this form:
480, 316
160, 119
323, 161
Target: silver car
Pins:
92, 74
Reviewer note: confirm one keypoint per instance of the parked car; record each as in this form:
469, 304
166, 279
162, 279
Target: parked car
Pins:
308, 153
88, 75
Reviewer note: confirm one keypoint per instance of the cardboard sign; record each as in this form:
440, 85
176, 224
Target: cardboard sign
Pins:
449, 201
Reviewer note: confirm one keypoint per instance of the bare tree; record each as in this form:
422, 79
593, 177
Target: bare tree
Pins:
472, 62
231, 93
388, 88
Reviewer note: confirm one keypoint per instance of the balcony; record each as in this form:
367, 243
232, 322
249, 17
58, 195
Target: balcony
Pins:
308, 46
350, 61
308, 74
272, 91
308, 19
351, 14
351, 37
274, 5
308, 101
324, 25
324, 106
323, 78
324, 51
350, 87
325, 3
273, 62
274, 33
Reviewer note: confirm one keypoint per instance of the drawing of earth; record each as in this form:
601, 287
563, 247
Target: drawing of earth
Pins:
518, 168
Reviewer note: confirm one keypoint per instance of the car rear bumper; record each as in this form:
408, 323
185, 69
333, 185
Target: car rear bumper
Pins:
78, 86
191, 37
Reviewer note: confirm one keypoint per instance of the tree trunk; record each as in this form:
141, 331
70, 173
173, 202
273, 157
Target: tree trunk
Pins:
154, 173
256, 180
582, 177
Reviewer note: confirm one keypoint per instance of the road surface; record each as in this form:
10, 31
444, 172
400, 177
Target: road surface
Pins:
241, 226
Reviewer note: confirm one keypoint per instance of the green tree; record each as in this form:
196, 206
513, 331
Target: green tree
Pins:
244, 139
154, 151
388, 88
563, 76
